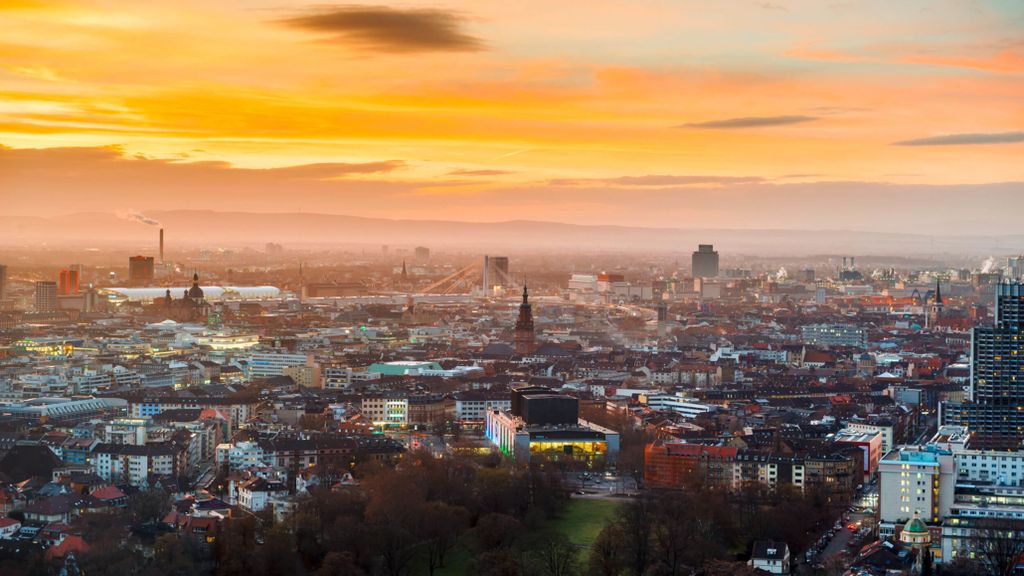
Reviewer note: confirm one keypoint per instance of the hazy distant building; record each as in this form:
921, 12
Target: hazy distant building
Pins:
3, 282
934, 316
495, 272
707, 290
422, 253
979, 279
849, 272
705, 261
834, 335
46, 296
1015, 267
734, 273
68, 283
191, 307
332, 290
140, 269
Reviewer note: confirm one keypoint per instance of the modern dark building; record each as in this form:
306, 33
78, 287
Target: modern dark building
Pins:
542, 422
550, 409
996, 398
140, 269
704, 262
521, 392
46, 296
3, 282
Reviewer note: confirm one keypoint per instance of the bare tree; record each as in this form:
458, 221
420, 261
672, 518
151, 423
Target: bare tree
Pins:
557, 557
441, 526
636, 522
998, 544
606, 557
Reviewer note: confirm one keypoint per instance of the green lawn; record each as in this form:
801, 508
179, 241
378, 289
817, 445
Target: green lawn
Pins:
582, 520
456, 562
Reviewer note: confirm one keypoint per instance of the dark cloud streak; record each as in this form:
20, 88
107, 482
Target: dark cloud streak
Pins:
327, 170
390, 29
965, 139
750, 122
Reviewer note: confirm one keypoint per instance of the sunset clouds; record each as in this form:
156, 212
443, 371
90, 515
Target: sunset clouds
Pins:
479, 105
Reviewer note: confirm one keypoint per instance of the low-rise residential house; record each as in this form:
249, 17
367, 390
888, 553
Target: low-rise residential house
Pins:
8, 528
770, 556
255, 495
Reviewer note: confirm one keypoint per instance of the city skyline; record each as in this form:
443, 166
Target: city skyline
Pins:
447, 288
660, 114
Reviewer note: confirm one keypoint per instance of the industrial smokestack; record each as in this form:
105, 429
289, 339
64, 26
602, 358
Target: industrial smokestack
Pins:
161, 245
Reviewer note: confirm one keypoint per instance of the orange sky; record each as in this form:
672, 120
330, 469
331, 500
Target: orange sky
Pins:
463, 109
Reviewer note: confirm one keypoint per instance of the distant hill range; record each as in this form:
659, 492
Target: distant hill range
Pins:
195, 228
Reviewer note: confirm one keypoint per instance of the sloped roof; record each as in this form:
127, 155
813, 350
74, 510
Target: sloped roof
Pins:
23, 462
107, 493
72, 543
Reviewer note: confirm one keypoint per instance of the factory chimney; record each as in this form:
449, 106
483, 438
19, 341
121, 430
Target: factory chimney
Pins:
161, 245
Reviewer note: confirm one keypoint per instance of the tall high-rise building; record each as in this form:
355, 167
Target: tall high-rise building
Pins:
524, 338
46, 296
705, 261
996, 398
3, 282
140, 269
1015, 267
68, 282
495, 272
422, 253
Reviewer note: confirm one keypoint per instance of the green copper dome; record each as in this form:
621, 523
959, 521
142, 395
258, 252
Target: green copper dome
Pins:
915, 526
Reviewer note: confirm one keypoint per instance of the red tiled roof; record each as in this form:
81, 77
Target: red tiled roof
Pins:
107, 493
72, 543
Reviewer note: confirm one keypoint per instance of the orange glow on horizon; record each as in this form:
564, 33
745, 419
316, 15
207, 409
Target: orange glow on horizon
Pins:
473, 101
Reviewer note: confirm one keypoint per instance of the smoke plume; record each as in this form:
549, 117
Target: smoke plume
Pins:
134, 216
